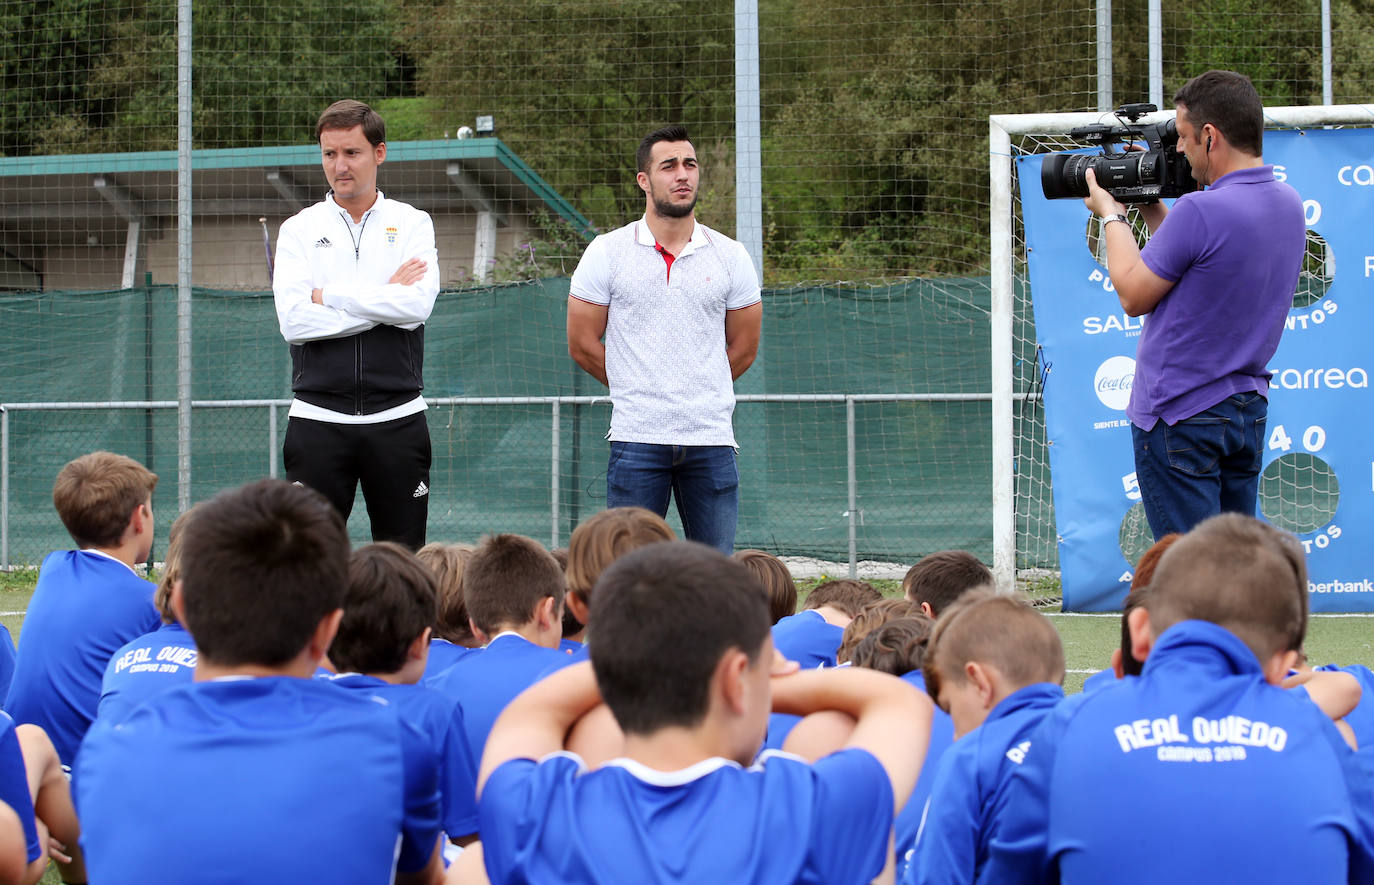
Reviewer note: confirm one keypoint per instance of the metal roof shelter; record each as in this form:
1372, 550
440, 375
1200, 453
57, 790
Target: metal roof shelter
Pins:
50, 201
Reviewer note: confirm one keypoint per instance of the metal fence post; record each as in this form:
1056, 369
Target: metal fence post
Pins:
272, 441
184, 255
554, 445
850, 446
4, 487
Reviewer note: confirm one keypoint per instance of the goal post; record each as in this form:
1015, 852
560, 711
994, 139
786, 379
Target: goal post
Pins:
1023, 530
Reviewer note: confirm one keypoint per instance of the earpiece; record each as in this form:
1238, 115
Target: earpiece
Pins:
1209, 143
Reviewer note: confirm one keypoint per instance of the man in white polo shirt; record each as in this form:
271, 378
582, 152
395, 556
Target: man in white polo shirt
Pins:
679, 308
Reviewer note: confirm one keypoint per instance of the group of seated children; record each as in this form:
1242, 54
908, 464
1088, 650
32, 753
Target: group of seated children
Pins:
639, 709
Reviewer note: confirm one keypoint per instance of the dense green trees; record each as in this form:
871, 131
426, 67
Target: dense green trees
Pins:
875, 111
82, 76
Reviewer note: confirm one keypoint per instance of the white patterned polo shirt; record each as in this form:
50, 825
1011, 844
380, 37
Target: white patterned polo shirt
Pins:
665, 332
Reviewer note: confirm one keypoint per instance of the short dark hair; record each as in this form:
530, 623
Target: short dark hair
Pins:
1239, 573
506, 578
96, 495
664, 615
448, 562
776, 580
897, 647
845, 595
261, 566
940, 578
1228, 101
646, 146
389, 603
1000, 630
349, 113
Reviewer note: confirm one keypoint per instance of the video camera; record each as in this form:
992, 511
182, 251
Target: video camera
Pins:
1158, 172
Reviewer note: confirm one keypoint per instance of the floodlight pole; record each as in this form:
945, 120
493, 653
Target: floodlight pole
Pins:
183, 255
1156, 52
1104, 55
748, 141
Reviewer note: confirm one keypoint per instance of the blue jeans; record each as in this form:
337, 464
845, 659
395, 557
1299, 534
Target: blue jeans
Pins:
702, 479
1203, 465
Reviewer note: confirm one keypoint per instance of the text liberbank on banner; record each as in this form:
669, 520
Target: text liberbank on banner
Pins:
1320, 418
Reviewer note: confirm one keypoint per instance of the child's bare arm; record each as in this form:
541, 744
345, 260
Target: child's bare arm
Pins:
469, 868
1334, 692
891, 718
536, 722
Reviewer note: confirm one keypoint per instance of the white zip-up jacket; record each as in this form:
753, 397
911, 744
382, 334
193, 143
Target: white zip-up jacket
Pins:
362, 350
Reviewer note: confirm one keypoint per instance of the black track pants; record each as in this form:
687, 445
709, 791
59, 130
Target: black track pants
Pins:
390, 459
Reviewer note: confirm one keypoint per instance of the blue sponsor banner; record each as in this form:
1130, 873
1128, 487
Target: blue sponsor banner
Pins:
1318, 478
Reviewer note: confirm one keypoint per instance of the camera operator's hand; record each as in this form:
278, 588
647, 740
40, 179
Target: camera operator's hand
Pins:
1099, 201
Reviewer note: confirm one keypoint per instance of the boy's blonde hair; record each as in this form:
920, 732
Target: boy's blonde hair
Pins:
448, 562
603, 538
96, 495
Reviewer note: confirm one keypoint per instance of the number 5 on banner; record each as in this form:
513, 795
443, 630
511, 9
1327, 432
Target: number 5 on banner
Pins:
1132, 486
1313, 439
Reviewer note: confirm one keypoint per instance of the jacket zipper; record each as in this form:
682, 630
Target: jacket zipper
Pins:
357, 339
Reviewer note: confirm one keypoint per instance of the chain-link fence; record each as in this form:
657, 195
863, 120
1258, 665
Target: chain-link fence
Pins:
861, 124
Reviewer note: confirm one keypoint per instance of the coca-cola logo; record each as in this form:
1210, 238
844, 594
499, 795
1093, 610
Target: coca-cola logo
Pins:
1113, 380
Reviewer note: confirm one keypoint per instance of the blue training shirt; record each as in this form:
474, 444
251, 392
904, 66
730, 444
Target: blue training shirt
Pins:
808, 639
1197, 770
85, 608
908, 822
715, 822
271, 780
440, 719
442, 655
970, 788
14, 786
7, 656
486, 681
152, 663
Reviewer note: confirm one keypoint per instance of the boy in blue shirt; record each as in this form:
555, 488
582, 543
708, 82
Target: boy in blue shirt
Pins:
997, 666
277, 777
684, 660
513, 589
812, 636
89, 601
154, 661
1219, 763
940, 578
381, 650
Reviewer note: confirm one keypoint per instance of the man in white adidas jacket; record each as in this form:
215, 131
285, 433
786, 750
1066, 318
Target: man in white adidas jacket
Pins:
356, 278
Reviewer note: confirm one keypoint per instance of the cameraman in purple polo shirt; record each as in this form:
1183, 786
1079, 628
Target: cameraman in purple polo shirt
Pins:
1217, 278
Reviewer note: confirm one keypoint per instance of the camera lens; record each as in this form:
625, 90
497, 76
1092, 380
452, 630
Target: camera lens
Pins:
1065, 175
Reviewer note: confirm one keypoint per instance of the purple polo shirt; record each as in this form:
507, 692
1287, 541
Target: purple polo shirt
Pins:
1234, 252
